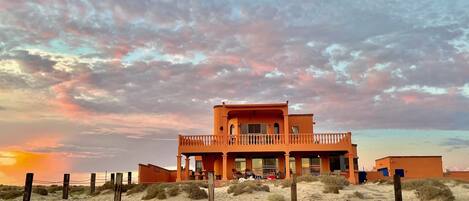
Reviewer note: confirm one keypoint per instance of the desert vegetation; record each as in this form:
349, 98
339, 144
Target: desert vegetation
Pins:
429, 189
247, 187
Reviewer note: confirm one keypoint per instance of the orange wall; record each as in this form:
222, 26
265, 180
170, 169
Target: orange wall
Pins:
414, 167
460, 175
152, 174
374, 175
304, 122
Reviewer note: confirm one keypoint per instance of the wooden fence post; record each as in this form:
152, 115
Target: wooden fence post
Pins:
112, 179
28, 186
397, 188
93, 183
118, 187
211, 189
66, 186
293, 188
129, 178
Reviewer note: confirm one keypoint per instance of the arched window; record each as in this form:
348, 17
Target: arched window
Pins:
276, 128
231, 129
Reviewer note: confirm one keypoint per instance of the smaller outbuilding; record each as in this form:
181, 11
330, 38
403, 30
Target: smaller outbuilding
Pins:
412, 167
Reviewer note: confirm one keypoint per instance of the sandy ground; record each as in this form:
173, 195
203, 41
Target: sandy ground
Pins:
306, 191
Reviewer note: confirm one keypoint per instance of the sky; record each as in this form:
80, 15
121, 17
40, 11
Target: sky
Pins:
94, 86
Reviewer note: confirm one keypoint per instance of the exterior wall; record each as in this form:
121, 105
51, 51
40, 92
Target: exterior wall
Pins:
262, 119
458, 175
153, 174
414, 167
304, 122
374, 175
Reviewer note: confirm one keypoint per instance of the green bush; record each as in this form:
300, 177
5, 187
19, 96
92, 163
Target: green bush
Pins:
173, 190
153, 191
10, 194
332, 184
247, 187
137, 189
40, 190
307, 178
276, 197
194, 191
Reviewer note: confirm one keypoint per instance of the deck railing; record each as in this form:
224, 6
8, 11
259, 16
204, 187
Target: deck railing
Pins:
317, 138
261, 139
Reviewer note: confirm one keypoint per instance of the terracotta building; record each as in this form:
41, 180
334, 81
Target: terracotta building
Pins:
411, 167
267, 140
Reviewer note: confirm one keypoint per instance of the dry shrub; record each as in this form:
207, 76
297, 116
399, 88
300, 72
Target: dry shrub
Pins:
307, 178
106, 186
78, 189
194, 191
11, 193
331, 189
286, 183
173, 190
384, 181
434, 193
429, 189
276, 197
40, 190
154, 191
247, 187
332, 184
137, 189
54, 188
358, 195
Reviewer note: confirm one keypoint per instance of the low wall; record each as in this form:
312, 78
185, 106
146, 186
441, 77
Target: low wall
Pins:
459, 175
148, 174
374, 176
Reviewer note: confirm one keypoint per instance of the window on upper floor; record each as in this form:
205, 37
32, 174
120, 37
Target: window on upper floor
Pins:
254, 128
232, 129
295, 129
276, 128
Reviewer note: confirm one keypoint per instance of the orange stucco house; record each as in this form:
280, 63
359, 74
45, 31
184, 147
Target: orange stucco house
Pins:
268, 140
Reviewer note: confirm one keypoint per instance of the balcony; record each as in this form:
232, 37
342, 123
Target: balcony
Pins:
264, 142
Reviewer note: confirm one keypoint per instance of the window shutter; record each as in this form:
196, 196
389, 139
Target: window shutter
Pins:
263, 128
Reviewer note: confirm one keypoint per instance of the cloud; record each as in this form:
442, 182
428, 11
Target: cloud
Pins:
455, 143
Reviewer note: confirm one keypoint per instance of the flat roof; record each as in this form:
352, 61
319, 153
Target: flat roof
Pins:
408, 157
307, 114
253, 105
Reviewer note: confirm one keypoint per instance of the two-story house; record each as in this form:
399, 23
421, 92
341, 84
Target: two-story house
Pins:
267, 140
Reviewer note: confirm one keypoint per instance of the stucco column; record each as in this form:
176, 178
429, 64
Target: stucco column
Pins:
287, 166
249, 163
298, 163
351, 168
286, 128
186, 168
325, 167
178, 174
225, 166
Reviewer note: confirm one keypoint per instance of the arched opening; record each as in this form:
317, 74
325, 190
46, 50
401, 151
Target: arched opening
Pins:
276, 128
232, 129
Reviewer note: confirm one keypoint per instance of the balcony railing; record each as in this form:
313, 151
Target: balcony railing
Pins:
262, 139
